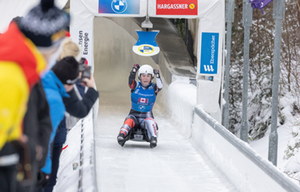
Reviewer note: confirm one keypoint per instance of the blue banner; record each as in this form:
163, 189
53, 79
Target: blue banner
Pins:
209, 53
119, 6
146, 44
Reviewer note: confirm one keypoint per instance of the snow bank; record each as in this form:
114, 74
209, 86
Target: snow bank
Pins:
181, 102
245, 168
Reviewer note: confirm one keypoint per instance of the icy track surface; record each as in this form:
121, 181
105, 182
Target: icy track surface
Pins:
174, 165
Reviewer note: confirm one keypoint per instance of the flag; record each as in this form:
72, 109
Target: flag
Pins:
143, 100
259, 4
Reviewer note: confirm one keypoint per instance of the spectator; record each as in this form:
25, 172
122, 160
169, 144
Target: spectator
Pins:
69, 48
56, 83
77, 105
37, 127
25, 49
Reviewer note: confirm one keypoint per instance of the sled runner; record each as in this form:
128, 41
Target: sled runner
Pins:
138, 133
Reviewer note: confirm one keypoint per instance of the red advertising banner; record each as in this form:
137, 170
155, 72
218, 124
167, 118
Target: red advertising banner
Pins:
176, 7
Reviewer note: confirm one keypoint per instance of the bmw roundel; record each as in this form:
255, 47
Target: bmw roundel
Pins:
119, 6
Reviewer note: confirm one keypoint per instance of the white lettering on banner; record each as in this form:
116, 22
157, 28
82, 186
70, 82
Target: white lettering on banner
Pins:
172, 6
208, 68
86, 44
212, 57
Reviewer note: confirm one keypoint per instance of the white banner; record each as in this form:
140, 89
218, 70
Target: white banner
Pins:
82, 30
85, 41
211, 33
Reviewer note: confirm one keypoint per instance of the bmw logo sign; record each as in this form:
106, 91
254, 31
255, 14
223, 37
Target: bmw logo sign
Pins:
146, 49
119, 6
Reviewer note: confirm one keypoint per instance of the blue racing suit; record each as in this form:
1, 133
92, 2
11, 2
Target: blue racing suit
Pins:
142, 101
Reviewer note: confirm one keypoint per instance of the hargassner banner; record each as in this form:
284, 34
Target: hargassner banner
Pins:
180, 8
177, 7
115, 8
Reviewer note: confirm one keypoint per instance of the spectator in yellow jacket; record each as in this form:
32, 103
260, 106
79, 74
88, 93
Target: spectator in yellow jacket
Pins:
25, 49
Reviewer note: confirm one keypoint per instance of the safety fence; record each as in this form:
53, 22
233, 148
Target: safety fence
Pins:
87, 175
227, 151
77, 161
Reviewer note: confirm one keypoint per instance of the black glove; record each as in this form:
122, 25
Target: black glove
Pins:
135, 68
42, 179
156, 73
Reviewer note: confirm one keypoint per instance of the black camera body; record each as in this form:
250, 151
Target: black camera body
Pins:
84, 69
86, 73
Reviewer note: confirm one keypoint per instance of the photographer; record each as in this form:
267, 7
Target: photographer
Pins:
77, 105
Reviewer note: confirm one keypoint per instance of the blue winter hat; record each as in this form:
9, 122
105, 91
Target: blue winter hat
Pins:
45, 24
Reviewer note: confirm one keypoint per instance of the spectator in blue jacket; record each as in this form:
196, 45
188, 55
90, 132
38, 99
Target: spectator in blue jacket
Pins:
78, 105
57, 83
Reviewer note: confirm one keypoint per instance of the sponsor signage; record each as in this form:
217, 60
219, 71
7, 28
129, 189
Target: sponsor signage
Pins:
146, 45
85, 41
119, 6
209, 53
176, 7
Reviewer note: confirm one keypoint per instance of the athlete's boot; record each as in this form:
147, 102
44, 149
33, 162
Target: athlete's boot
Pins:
153, 142
121, 139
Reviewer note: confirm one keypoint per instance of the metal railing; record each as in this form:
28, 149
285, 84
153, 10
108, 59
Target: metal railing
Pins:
82, 158
243, 147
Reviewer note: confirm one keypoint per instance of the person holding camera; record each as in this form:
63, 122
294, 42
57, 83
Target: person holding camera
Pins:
81, 99
58, 85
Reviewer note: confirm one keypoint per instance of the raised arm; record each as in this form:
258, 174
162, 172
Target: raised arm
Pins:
159, 84
132, 83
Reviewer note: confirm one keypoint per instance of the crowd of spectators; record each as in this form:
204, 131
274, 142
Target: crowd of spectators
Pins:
42, 94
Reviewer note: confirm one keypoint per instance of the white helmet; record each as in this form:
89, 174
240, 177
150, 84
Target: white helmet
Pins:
146, 69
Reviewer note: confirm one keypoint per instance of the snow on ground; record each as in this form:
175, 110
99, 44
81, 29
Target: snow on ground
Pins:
174, 165
262, 145
285, 138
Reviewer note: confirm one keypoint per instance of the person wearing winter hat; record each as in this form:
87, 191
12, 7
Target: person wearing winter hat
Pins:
25, 49
78, 105
57, 83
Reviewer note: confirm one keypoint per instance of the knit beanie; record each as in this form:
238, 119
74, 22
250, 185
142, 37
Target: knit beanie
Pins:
45, 24
67, 70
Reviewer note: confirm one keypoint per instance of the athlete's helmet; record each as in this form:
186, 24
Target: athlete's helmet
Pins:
146, 69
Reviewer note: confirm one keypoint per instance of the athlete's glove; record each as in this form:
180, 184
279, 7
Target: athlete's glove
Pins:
156, 73
135, 68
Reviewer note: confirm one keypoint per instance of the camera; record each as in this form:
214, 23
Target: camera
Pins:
84, 69
81, 64
86, 73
